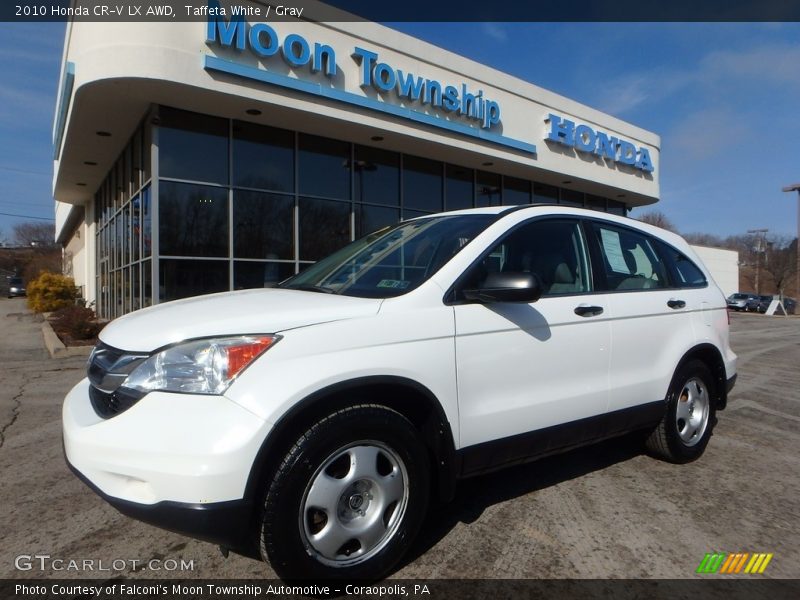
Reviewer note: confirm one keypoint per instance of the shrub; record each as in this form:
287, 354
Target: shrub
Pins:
76, 322
51, 291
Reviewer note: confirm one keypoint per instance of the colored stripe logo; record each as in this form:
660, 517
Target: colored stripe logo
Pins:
734, 563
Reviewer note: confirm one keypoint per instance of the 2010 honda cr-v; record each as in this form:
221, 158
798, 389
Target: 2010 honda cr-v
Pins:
312, 423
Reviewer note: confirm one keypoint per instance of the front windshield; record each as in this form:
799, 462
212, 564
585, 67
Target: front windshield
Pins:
392, 261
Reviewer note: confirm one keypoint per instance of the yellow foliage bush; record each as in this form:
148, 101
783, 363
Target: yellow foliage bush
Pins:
51, 291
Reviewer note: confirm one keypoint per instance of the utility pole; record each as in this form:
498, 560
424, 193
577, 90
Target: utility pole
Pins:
796, 188
760, 235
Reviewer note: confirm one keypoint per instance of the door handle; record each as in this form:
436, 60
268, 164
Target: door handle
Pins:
585, 310
675, 304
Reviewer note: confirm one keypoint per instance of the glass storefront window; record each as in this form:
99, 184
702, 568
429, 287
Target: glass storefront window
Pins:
136, 226
147, 223
263, 225
277, 226
192, 146
120, 185
616, 208
126, 235
184, 278
193, 220
376, 176
324, 227
102, 289
126, 290
123, 220
595, 202
323, 167
516, 191
571, 198
108, 208
488, 192
136, 165
136, 286
147, 283
112, 183
458, 188
118, 293
147, 141
263, 157
545, 194
372, 218
112, 245
422, 184
250, 274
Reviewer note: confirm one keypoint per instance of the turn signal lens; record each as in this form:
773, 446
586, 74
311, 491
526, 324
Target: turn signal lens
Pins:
241, 355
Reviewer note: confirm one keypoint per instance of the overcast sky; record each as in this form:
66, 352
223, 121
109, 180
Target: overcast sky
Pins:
724, 97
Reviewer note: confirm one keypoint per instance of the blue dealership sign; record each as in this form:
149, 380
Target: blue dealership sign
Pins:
583, 138
296, 51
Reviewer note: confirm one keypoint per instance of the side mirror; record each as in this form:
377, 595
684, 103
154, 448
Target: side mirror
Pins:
507, 287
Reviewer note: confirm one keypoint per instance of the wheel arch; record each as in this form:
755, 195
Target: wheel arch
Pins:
406, 396
710, 355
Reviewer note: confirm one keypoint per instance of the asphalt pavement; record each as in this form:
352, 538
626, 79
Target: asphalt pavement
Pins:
608, 511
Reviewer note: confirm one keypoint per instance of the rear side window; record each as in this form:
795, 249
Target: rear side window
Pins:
629, 259
685, 273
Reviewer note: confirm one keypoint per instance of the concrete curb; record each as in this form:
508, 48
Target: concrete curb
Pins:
56, 347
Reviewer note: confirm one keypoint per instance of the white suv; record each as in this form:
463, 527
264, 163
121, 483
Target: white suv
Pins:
311, 424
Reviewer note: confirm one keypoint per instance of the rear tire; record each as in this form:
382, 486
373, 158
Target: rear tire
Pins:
685, 429
348, 498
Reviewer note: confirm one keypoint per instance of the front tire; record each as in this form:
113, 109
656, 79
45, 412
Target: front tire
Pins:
685, 429
348, 498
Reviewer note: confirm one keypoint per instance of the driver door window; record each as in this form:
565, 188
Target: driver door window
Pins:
552, 249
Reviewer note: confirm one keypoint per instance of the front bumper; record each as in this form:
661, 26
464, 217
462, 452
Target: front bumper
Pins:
228, 524
178, 461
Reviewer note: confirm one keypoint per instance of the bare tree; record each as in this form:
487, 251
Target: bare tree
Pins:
745, 244
34, 234
659, 219
780, 260
705, 239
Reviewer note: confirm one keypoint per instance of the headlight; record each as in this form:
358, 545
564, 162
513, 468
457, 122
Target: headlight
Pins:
199, 367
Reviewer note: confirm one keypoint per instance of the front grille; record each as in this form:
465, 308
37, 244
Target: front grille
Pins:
108, 405
107, 369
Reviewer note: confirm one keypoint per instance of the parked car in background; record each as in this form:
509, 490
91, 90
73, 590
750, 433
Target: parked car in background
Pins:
15, 287
762, 304
759, 304
740, 301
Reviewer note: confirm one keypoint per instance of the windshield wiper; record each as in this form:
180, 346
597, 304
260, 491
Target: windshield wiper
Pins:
307, 287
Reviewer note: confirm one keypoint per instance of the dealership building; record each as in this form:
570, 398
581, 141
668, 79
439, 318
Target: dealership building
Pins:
196, 157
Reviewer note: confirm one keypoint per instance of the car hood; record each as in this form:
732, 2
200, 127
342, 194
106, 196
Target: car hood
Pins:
231, 313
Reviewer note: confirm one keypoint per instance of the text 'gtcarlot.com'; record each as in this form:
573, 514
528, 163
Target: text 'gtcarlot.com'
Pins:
46, 562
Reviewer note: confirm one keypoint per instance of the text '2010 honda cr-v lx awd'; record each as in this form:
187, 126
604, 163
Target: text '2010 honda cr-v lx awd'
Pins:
312, 424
